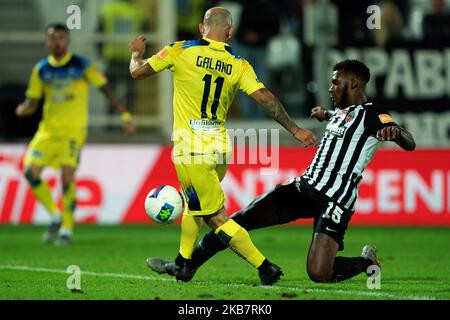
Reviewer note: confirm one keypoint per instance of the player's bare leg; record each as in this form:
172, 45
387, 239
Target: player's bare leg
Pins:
324, 266
321, 256
43, 194
68, 205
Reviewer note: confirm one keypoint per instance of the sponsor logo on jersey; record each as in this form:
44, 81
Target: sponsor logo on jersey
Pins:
204, 125
162, 54
336, 129
385, 118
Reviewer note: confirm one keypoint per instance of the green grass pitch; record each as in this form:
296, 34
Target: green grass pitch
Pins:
415, 265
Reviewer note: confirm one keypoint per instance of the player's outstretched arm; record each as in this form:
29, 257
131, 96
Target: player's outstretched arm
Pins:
125, 116
139, 68
320, 113
27, 108
273, 107
399, 135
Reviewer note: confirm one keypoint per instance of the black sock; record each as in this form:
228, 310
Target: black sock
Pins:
179, 260
346, 268
207, 247
264, 266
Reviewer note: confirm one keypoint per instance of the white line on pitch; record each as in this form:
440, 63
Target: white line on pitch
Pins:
141, 277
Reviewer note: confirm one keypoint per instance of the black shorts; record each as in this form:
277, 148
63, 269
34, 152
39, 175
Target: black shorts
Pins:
294, 200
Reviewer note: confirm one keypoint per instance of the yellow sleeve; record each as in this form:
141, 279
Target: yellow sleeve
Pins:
35, 88
249, 81
162, 60
95, 76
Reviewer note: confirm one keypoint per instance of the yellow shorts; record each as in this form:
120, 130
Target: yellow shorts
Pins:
47, 150
200, 177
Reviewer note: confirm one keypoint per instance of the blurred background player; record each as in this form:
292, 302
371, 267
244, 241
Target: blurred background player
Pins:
255, 29
207, 77
436, 24
328, 190
62, 80
121, 17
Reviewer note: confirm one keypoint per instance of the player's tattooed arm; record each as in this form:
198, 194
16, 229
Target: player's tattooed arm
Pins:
274, 108
27, 108
139, 67
399, 135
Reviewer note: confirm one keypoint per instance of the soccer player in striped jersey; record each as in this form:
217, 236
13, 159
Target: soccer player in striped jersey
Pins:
207, 75
328, 190
62, 79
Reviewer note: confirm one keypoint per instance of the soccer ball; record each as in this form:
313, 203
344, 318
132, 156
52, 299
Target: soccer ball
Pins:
164, 204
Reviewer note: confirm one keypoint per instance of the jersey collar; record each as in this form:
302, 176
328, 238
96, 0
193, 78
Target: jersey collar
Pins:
367, 103
218, 45
55, 63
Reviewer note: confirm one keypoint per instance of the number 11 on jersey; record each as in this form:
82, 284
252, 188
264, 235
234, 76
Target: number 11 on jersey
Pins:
219, 84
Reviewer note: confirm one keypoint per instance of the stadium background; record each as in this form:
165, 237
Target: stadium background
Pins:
404, 204
410, 75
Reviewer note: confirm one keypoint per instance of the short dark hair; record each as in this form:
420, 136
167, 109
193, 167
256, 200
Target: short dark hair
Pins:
354, 66
58, 26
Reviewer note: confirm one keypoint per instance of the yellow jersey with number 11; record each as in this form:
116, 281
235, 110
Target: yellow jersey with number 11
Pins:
207, 75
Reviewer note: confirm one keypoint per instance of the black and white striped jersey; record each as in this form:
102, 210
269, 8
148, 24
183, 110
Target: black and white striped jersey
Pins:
345, 150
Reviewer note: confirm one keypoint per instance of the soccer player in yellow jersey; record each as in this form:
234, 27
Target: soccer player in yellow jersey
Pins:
207, 75
62, 80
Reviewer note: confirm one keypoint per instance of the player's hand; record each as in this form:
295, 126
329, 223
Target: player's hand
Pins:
127, 122
138, 45
320, 113
23, 110
306, 137
389, 133
129, 128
